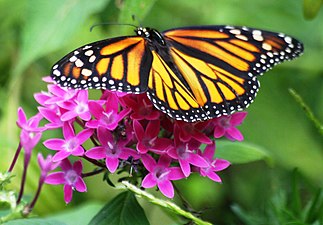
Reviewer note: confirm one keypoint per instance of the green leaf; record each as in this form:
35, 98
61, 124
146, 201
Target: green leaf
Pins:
79, 215
34, 222
51, 23
122, 210
311, 8
241, 152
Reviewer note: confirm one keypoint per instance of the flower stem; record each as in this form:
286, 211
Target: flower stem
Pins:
40, 185
24, 175
166, 204
307, 110
92, 173
93, 161
14, 160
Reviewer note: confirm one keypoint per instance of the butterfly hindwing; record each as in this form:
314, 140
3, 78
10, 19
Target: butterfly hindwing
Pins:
121, 64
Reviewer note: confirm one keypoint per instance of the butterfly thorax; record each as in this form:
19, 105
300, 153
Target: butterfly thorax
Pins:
151, 34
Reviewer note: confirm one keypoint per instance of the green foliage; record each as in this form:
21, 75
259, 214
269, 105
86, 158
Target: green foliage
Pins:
312, 8
286, 207
122, 210
35, 222
241, 152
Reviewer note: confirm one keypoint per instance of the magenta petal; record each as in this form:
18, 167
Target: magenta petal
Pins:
96, 153
112, 102
218, 131
197, 160
68, 131
92, 124
82, 96
22, 119
149, 181
86, 116
84, 135
237, 118
185, 166
202, 138
112, 164
127, 152
80, 185
166, 187
68, 115
164, 160
162, 144
49, 114
61, 155
152, 129
209, 151
55, 178
95, 108
139, 130
141, 148
148, 162
235, 133
221, 164
154, 115
104, 136
78, 151
213, 176
78, 167
66, 165
175, 174
54, 144
68, 193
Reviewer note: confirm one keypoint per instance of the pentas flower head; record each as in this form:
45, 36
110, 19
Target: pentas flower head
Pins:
30, 130
111, 150
70, 145
186, 154
148, 139
107, 116
161, 174
78, 107
226, 126
141, 106
214, 165
46, 165
70, 176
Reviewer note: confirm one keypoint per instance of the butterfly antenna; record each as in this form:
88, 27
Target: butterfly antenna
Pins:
134, 18
111, 23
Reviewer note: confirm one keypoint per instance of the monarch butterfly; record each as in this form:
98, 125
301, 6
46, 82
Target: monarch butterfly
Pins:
191, 73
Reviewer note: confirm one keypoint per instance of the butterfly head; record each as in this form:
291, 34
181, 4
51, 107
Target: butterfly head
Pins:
150, 34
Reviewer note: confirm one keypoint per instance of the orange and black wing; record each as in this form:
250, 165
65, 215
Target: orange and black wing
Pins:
121, 64
217, 67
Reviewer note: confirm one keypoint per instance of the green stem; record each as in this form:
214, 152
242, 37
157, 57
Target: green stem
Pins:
307, 110
166, 204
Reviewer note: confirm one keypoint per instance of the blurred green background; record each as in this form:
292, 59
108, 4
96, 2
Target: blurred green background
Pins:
36, 33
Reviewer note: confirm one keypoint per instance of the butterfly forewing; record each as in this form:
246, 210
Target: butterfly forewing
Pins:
121, 64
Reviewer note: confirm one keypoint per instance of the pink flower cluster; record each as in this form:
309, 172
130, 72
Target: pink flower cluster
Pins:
122, 129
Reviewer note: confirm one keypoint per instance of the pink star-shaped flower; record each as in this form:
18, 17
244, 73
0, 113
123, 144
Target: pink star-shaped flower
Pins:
112, 150
70, 145
70, 176
214, 165
148, 139
226, 126
161, 174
